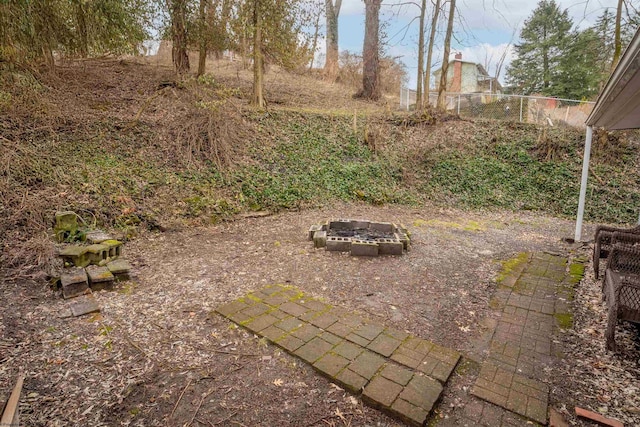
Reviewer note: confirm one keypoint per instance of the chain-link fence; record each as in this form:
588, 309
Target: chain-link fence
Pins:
529, 109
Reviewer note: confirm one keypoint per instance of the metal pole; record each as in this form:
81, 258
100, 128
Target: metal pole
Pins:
583, 183
458, 104
521, 101
400, 96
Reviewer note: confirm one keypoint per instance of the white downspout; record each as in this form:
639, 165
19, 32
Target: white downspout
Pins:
583, 183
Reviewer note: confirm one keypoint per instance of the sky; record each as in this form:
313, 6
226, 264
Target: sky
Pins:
483, 30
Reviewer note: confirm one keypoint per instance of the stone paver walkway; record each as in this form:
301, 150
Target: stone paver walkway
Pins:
395, 372
533, 297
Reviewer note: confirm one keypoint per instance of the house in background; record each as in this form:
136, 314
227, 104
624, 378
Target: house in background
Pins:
468, 77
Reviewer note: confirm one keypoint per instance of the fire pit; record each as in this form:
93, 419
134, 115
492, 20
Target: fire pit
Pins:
361, 237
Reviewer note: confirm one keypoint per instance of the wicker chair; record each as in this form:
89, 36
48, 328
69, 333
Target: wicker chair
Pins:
603, 245
621, 283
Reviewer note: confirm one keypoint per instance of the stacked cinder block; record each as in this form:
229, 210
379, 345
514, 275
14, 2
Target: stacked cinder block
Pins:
361, 237
89, 267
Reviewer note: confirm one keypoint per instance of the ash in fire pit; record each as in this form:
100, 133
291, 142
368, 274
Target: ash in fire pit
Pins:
361, 238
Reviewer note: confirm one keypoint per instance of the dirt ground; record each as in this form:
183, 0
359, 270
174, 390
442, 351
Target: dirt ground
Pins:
159, 355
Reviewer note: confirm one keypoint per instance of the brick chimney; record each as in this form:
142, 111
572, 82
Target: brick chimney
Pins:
456, 82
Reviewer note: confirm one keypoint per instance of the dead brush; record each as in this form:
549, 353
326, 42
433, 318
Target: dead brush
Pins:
613, 147
206, 136
204, 124
554, 143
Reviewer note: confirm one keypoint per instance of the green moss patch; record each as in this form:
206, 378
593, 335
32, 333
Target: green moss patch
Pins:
564, 320
510, 265
576, 272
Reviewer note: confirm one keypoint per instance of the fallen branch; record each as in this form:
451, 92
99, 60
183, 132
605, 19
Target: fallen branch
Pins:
179, 398
199, 406
137, 347
10, 414
146, 103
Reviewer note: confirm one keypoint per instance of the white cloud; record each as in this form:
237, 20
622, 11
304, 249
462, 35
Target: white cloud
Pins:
489, 56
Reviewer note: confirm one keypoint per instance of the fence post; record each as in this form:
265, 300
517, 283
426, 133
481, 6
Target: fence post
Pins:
458, 104
521, 102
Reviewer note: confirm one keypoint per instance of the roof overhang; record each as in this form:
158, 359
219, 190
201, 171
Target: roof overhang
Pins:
618, 105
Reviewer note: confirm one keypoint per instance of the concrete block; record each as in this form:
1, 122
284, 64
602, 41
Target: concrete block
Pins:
74, 289
99, 277
115, 248
74, 283
320, 239
67, 220
382, 227
401, 228
66, 224
340, 224
84, 305
340, 244
120, 268
97, 253
73, 275
364, 248
313, 229
406, 241
97, 236
75, 255
389, 246
358, 224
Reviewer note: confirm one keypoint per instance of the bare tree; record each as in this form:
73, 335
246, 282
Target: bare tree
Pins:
82, 28
316, 33
371, 52
432, 37
445, 60
202, 24
332, 11
419, 101
618, 39
179, 35
258, 68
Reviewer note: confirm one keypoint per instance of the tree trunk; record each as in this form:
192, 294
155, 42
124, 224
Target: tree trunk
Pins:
442, 99
432, 37
202, 52
219, 12
332, 11
314, 46
419, 101
245, 49
258, 71
179, 52
618, 40
371, 52
83, 47
545, 60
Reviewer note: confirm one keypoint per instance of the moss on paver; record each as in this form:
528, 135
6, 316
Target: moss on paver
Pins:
565, 320
359, 354
576, 271
511, 265
534, 305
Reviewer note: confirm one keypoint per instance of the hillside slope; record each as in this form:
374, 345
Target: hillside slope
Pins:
126, 145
